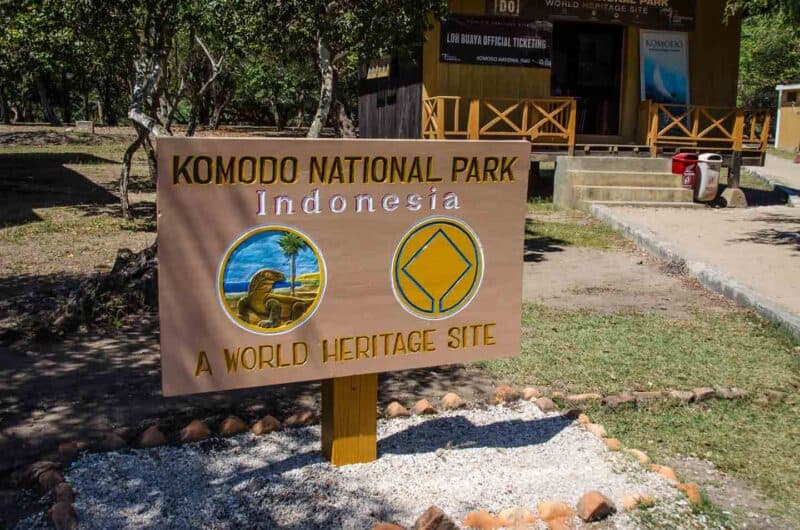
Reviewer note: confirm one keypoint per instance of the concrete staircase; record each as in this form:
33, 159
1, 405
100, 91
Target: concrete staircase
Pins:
581, 182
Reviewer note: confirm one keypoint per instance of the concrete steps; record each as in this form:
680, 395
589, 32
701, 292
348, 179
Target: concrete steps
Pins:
589, 177
581, 182
587, 205
632, 194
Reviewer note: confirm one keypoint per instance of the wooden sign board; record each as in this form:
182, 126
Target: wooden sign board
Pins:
290, 260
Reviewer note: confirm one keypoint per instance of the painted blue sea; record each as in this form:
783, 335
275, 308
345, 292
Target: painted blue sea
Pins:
262, 251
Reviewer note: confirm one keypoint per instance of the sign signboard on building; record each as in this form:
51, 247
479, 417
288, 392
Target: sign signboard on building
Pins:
291, 260
664, 66
657, 14
496, 41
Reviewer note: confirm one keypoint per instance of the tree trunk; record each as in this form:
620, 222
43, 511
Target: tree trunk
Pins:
5, 114
192, 125
66, 99
47, 107
300, 118
86, 111
100, 117
216, 116
292, 267
343, 123
125, 173
325, 89
276, 115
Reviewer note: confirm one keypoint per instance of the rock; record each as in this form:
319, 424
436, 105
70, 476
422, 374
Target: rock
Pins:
619, 400
530, 393
596, 429
545, 404
583, 419
692, 493
49, 479
112, 441
681, 395
434, 519
650, 395
64, 493
641, 456
266, 425
613, 444
63, 516
702, 394
387, 526
665, 471
152, 437
232, 425
396, 410
584, 398
594, 506
482, 521
505, 394
37, 468
452, 401
554, 510
632, 502
422, 407
300, 418
517, 518
67, 451
195, 432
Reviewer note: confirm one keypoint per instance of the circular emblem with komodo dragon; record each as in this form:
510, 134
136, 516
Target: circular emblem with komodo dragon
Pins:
437, 268
271, 279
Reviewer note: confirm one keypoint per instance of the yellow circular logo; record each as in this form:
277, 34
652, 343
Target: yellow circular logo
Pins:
437, 268
271, 279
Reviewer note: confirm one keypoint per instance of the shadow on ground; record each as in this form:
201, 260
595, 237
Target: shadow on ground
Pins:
538, 245
785, 233
41, 180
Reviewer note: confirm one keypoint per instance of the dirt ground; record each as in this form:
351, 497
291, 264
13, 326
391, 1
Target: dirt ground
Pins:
97, 381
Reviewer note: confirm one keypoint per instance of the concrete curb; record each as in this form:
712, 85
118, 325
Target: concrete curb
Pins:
792, 195
708, 276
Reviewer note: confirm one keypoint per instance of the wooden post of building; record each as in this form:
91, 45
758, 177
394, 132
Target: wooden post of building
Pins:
440, 110
474, 119
349, 419
652, 135
733, 195
573, 125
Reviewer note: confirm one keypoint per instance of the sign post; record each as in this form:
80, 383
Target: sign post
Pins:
295, 260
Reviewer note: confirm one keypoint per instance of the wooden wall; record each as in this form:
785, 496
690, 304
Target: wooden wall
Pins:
392, 107
713, 71
789, 133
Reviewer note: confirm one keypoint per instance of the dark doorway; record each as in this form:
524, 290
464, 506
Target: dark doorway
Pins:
587, 64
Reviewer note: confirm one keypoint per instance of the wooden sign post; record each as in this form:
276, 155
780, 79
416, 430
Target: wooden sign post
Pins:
349, 419
297, 260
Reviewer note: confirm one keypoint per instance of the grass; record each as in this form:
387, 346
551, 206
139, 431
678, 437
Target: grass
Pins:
548, 224
760, 442
781, 153
66, 221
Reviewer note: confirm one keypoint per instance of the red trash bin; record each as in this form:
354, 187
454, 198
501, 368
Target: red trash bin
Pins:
686, 164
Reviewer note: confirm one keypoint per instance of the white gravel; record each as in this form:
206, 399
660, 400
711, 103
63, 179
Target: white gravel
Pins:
479, 459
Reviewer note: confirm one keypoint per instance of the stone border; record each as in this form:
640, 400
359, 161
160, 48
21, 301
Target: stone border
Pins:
708, 276
593, 506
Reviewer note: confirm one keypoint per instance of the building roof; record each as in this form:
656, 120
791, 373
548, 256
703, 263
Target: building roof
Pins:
795, 86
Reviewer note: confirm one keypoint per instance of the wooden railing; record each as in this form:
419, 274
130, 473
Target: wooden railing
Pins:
542, 121
699, 126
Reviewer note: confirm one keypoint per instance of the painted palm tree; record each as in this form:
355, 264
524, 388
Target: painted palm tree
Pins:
291, 245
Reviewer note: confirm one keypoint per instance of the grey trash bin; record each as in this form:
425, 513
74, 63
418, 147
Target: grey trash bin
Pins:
708, 168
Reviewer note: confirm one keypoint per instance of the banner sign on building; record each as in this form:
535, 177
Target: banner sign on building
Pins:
664, 66
657, 14
496, 41
287, 260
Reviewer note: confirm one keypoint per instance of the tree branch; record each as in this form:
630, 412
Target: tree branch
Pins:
216, 66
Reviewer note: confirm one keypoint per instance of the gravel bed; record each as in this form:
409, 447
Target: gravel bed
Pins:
478, 459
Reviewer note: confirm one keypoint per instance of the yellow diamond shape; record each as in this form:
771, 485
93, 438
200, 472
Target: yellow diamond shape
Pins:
436, 268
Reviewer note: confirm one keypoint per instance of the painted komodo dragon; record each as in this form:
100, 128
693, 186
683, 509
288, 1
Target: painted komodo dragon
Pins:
262, 307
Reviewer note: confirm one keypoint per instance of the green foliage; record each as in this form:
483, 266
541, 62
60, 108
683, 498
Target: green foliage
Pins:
770, 55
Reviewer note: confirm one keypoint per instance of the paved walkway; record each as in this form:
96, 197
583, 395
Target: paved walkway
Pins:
757, 247
780, 170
